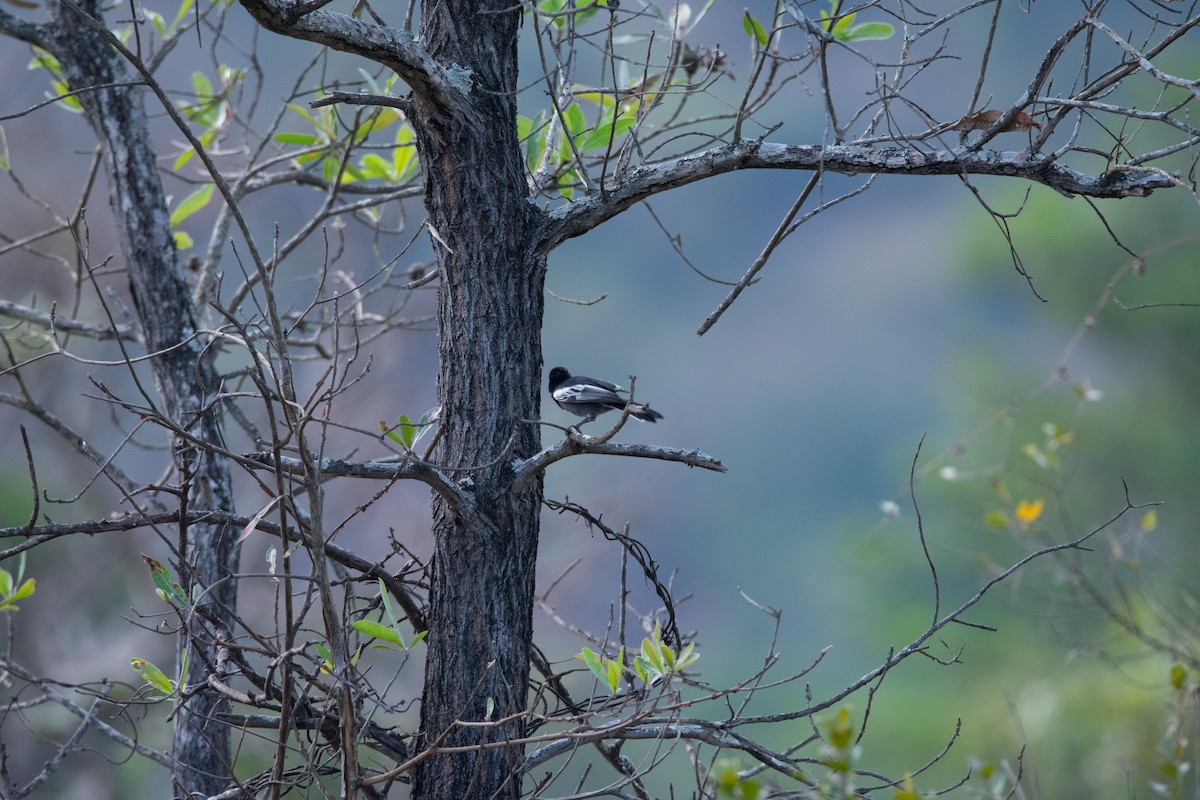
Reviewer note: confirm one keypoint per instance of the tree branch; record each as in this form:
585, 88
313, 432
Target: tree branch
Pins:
581, 216
55, 324
579, 444
391, 47
409, 468
25, 31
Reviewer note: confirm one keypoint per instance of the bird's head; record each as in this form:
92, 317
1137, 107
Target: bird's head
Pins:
557, 376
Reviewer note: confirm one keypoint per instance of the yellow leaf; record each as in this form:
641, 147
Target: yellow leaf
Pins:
1029, 510
906, 791
1149, 521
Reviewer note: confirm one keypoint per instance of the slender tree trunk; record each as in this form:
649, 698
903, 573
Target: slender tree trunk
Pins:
490, 305
183, 374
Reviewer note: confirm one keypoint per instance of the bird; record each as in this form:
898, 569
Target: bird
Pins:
590, 397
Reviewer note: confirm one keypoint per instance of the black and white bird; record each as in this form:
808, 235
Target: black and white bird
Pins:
589, 397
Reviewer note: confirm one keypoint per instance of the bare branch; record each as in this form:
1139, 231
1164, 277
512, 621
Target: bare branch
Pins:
56, 324
584, 445
47, 687
408, 468
577, 218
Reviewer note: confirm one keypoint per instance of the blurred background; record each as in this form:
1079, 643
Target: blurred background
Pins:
892, 325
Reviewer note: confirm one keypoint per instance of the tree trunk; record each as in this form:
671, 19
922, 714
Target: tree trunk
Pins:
184, 376
490, 304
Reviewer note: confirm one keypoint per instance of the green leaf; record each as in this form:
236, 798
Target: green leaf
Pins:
6, 583
1178, 676
152, 675
376, 167
184, 8
329, 168
668, 657
183, 241
326, 657
592, 661
652, 655
306, 139
43, 60
613, 676
868, 31
192, 203
524, 127
995, 519
377, 631
303, 112
158, 573
69, 103
566, 186
387, 604
408, 431
754, 29
376, 122
405, 154
156, 19
206, 140
606, 100
843, 24
27, 588
165, 586
575, 121
599, 137
202, 86
553, 7
687, 657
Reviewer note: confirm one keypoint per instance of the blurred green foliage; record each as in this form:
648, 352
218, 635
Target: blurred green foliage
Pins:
1063, 426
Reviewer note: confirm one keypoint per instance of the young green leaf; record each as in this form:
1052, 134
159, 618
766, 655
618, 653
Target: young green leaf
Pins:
612, 676
405, 155
164, 586
202, 86
375, 166
192, 203
607, 131
866, 32
326, 656
377, 631
408, 431
754, 29
575, 121
25, 590
152, 675
592, 661
305, 139
184, 8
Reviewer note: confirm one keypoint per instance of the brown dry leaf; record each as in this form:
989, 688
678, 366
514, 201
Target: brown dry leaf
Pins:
985, 119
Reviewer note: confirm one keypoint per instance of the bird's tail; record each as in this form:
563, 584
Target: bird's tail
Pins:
644, 412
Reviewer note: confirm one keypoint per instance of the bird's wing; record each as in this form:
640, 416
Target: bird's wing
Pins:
590, 392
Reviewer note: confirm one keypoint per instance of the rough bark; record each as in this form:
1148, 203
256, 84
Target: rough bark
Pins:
183, 375
489, 324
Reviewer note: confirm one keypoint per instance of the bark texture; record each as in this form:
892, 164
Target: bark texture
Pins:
490, 305
183, 374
